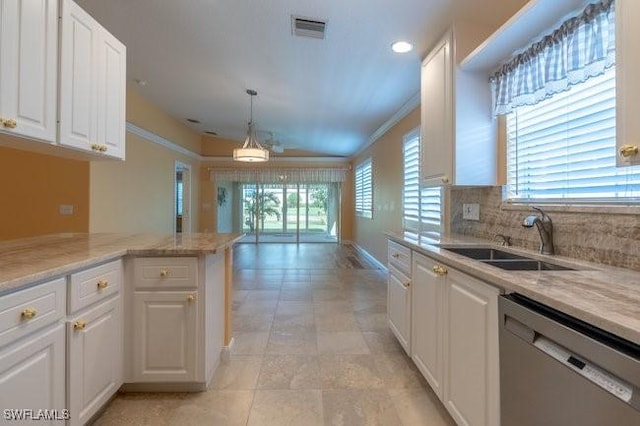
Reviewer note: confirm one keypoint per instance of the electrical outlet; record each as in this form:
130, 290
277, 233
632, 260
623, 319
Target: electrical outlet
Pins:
66, 209
471, 211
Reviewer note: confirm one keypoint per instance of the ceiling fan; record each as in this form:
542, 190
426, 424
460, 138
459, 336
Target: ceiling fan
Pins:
273, 144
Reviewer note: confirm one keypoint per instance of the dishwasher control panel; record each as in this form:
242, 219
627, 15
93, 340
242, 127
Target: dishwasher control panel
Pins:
605, 380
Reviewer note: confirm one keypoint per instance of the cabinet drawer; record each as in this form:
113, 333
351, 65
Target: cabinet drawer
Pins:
28, 310
166, 272
94, 284
400, 257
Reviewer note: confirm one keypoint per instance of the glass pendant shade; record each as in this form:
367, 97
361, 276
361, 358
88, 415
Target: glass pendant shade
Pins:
251, 151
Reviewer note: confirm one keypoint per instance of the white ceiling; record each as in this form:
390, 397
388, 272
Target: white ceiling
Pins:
327, 96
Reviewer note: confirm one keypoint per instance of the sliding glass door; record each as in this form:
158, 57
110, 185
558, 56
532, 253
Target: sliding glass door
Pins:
288, 213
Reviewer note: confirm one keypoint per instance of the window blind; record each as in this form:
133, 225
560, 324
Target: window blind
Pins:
565, 147
411, 188
364, 189
431, 209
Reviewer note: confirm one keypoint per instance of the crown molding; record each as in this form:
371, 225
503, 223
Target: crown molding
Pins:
155, 138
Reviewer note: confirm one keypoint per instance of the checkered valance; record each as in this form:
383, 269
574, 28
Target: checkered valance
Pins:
581, 47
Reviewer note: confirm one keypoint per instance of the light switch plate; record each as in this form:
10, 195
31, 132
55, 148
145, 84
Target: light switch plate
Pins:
66, 209
471, 211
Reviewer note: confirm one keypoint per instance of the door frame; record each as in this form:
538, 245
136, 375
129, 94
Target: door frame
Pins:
185, 168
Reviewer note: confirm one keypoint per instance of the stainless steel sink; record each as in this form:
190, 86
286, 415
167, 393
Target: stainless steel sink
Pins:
483, 253
526, 265
505, 260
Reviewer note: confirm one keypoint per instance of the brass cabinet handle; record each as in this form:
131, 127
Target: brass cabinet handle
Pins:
28, 313
439, 270
191, 298
95, 147
445, 180
103, 148
164, 272
628, 150
9, 123
102, 284
407, 284
395, 255
79, 325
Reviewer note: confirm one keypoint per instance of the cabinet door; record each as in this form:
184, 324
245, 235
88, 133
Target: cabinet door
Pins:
112, 58
165, 330
28, 67
78, 76
399, 307
437, 115
426, 337
32, 373
95, 350
471, 392
627, 84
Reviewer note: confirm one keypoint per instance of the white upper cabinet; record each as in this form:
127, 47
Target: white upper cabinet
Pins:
459, 136
28, 68
92, 85
627, 84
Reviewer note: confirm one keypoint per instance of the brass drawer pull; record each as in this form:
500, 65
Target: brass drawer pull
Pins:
28, 313
9, 123
164, 273
102, 284
395, 255
79, 325
439, 270
191, 298
407, 284
628, 151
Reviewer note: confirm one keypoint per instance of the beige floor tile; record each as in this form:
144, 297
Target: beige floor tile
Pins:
381, 341
358, 407
329, 294
398, 371
250, 342
252, 322
292, 343
214, 407
420, 407
286, 407
333, 307
342, 342
349, 372
257, 307
289, 372
238, 373
296, 295
239, 295
372, 322
336, 321
295, 323
261, 295
294, 308
140, 409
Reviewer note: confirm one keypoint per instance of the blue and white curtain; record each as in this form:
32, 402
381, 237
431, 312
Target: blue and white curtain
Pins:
582, 47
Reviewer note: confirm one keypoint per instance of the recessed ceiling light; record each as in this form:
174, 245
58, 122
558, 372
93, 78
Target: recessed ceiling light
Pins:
193, 120
402, 47
209, 132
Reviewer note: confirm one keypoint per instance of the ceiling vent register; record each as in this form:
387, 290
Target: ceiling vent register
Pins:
307, 27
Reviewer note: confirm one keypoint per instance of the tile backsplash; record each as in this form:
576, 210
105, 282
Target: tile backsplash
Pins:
607, 238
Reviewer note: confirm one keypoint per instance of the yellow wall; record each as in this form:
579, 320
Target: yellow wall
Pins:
386, 156
34, 186
137, 195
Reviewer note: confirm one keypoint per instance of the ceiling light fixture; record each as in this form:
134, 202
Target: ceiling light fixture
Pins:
251, 151
402, 47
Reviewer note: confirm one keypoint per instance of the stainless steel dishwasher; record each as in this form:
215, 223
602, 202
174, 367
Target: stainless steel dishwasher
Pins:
558, 370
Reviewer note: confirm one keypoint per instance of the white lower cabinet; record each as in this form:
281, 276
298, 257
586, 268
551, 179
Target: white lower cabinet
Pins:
94, 358
399, 307
32, 373
165, 333
454, 339
471, 363
426, 339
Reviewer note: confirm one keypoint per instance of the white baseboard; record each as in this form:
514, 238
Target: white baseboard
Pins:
366, 254
225, 355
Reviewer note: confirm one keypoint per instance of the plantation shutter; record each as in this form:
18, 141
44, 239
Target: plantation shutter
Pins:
411, 188
364, 189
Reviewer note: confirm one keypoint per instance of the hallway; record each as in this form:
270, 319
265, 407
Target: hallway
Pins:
312, 347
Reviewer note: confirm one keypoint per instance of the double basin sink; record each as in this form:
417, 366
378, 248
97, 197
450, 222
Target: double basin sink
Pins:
505, 260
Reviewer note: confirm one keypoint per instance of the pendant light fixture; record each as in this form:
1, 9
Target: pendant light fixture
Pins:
251, 151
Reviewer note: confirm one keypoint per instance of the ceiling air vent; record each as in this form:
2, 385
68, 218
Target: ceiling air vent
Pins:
307, 27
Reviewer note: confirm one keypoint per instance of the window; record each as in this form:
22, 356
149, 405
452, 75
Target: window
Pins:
364, 189
421, 207
564, 148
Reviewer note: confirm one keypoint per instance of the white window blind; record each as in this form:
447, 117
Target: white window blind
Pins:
364, 189
411, 188
564, 148
421, 207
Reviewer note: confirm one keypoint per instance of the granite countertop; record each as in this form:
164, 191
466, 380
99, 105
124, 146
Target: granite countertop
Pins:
604, 296
27, 260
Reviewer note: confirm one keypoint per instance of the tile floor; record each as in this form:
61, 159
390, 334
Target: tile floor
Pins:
312, 347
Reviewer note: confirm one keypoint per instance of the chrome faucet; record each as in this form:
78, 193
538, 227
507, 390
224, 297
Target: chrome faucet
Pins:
545, 228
